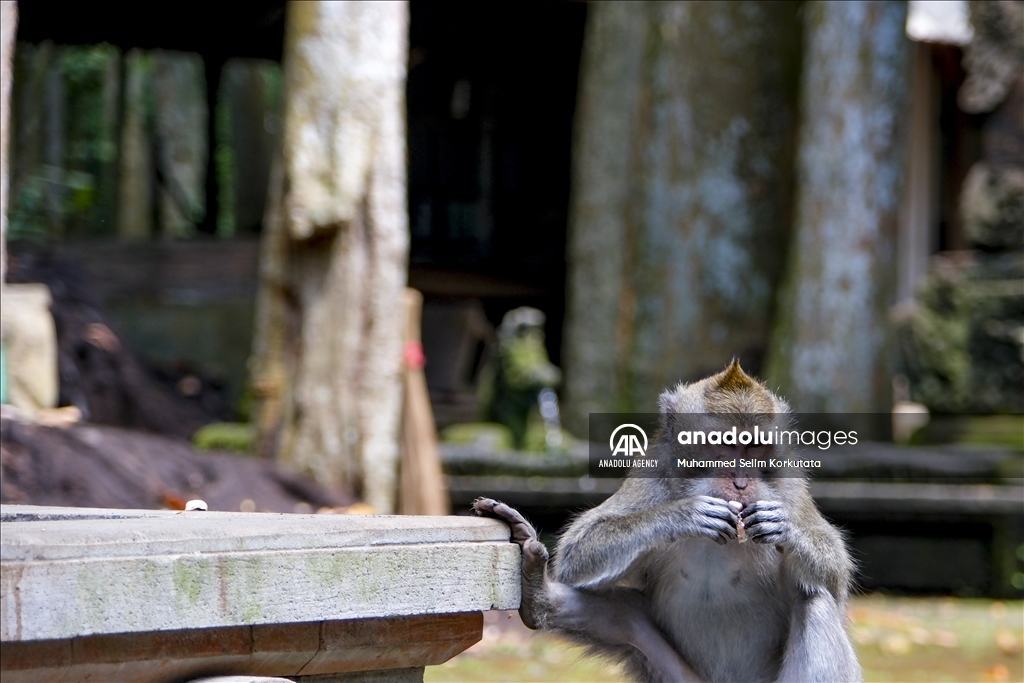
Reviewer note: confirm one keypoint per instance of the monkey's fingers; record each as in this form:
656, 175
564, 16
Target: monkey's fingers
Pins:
764, 511
716, 507
483, 506
769, 533
766, 522
522, 531
714, 519
763, 506
718, 530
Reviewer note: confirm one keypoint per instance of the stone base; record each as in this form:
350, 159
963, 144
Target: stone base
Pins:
349, 651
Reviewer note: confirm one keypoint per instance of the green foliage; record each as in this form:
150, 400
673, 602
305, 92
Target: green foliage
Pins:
273, 86
76, 195
959, 343
977, 430
536, 440
27, 218
87, 72
229, 436
224, 161
490, 436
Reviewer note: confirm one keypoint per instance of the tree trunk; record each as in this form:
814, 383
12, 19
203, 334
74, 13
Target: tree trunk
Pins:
8, 24
135, 194
830, 344
681, 193
330, 315
254, 116
181, 118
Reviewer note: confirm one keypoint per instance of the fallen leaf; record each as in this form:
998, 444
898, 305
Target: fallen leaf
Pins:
1007, 643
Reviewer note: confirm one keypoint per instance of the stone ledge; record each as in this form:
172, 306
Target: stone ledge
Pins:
154, 532
880, 498
62, 579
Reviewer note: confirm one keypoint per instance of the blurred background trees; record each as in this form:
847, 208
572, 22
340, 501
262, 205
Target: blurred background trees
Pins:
665, 258
961, 344
327, 352
672, 184
830, 350
681, 197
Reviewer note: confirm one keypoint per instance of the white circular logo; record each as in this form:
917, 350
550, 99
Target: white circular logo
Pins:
628, 444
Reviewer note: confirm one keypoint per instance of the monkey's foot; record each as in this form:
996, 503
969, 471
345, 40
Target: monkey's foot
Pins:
522, 531
535, 555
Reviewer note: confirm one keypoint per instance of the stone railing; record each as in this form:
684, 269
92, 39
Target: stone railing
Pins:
164, 596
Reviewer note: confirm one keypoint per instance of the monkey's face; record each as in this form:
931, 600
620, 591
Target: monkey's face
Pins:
743, 485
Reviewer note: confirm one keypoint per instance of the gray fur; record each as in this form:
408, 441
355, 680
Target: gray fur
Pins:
654, 576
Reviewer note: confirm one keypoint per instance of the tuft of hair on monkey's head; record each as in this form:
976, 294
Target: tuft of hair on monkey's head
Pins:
730, 392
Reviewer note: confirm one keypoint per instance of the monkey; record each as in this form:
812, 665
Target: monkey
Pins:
658, 576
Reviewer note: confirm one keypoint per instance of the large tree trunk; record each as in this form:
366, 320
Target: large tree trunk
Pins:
8, 24
681, 194
135, 194
830, 347
328, 348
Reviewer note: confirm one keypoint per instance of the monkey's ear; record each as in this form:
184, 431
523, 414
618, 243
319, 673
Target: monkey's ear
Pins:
683, 398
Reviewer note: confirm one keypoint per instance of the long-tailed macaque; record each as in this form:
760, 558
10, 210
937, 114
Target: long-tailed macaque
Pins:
656, 577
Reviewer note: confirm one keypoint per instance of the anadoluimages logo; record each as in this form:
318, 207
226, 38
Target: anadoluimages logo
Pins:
628, 443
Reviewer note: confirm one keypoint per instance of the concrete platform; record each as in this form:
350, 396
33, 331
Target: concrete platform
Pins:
84, 593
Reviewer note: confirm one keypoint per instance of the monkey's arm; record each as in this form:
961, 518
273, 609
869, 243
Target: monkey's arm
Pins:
606, 619
604, 542
818, 647
815, 555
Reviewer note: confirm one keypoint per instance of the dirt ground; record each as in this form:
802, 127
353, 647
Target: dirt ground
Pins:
100, 374
87, 465
898, 639
131, 448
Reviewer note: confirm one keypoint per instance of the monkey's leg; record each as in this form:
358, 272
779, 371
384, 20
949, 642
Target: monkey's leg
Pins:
609, 617
818, 649
614, 617
535, 557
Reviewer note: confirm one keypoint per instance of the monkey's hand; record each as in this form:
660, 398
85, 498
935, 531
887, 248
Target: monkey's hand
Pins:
535, 556
767, 521
711, 518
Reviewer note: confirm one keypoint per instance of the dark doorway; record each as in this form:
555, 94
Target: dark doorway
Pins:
491, 96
